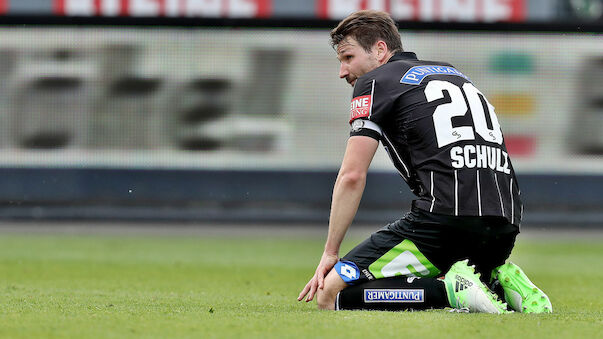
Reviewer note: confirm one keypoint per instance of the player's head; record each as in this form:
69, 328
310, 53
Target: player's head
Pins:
364, 41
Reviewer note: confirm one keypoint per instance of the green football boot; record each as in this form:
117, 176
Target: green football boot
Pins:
467, 292
520, 293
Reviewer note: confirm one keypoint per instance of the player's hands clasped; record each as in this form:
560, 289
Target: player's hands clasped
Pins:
317, 282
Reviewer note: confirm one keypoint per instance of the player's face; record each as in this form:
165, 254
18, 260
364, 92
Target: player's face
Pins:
355, 61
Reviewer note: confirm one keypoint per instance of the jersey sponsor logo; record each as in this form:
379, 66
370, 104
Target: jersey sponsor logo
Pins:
347, 270
393, 296
416, 74
480, 156
360, 107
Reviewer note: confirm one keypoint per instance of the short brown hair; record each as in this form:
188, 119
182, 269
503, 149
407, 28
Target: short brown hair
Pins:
367, 27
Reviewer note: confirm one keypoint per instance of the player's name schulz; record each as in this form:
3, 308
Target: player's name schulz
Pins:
480, 156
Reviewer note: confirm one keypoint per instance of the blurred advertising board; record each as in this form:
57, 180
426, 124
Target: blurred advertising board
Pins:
269, 99
412, 10
173, 8
431, 10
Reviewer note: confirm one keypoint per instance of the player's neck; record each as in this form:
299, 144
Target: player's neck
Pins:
385, 60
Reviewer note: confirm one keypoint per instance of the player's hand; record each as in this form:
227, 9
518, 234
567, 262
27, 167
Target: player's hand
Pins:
318, 280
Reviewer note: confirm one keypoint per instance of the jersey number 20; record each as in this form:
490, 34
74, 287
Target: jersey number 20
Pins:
442, 116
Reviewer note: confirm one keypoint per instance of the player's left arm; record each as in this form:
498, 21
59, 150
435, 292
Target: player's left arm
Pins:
347, 194
349, 188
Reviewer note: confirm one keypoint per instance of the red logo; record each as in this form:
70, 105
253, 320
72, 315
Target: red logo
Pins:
360, 107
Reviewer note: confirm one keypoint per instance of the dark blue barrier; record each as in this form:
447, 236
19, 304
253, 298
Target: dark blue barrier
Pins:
212, 195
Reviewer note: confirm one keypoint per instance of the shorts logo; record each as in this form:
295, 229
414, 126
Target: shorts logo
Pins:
393, 296
348, 271
368, 274
360, 107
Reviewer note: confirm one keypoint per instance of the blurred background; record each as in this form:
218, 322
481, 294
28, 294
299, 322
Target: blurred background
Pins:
232, 110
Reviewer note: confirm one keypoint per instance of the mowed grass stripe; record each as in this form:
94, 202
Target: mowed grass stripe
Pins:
108, 286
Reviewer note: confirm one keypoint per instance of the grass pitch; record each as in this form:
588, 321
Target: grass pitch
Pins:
220, 286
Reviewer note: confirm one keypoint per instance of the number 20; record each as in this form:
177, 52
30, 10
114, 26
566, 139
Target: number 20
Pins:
443, 114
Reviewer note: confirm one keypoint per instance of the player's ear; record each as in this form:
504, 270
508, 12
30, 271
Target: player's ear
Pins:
381, 50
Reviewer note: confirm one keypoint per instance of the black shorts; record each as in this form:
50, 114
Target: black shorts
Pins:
424, 244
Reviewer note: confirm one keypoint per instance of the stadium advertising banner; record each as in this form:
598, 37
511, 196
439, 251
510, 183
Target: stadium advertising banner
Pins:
430, 10
170, 8
407, 10
420, 11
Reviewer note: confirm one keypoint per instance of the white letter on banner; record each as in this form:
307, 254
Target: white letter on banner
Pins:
144, 8
243, 8
458, 10
378, 5
426, 10
211, 8
497, 10
79, 7
172, 8
403, 9
110, 7
339, 9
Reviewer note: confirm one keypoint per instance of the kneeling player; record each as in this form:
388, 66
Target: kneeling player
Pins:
444, 139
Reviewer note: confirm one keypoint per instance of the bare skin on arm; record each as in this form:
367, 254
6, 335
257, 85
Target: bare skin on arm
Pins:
349, 186
347, 194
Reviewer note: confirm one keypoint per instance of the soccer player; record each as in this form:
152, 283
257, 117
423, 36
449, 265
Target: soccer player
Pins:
444, 139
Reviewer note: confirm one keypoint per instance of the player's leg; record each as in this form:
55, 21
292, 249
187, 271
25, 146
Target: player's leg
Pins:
415, 246
394, 294
460, 289
507, 280
390, 294
378, 267
519, 292
333, 284
465, 290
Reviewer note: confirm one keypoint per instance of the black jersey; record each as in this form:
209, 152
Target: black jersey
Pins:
442, 135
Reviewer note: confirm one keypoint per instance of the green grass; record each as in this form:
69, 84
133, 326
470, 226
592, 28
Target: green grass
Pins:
143, 286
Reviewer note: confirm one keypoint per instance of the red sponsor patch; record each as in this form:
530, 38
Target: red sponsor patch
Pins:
360, 107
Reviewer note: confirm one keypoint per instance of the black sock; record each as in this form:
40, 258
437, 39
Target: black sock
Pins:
394, 294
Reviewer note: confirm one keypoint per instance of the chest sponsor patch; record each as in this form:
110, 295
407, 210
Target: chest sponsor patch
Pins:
416, 74
393, 296
360, 107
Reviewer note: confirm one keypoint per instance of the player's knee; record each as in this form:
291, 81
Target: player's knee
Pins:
325, 299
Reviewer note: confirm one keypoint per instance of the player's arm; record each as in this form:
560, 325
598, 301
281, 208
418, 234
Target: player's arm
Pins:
348, 189
347, 193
